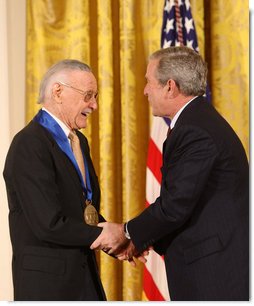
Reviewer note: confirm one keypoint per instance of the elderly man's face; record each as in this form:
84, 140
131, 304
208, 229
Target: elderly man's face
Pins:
78, 99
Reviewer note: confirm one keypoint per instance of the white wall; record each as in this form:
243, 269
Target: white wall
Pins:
16, 26
12, 114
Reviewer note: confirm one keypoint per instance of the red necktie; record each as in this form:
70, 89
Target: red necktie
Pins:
169, 131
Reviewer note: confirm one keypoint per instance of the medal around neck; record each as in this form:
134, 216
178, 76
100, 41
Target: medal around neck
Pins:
90, 214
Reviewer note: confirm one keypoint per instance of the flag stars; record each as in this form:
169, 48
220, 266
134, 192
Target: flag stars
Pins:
169, 4
167, 43
190, 44
187, 4
170, 32
170, 25
188, 24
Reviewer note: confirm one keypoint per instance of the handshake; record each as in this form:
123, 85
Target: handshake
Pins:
113, 241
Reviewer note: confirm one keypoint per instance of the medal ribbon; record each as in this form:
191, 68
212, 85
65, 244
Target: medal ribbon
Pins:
49, 123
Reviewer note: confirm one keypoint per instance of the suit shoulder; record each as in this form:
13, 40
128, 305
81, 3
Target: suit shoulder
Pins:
197, 107
202, 114
32, 129
32, 134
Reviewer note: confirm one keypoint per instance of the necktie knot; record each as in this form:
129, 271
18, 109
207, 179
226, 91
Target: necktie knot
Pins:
73, 136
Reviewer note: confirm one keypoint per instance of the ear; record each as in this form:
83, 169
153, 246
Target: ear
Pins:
172, 88
56, 93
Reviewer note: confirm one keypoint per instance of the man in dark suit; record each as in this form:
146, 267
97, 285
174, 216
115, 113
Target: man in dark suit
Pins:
200, 221
48, 193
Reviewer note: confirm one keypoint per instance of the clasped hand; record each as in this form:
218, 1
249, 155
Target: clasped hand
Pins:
112, 240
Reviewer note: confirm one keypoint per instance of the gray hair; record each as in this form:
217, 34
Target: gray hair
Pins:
183, 65
56, 70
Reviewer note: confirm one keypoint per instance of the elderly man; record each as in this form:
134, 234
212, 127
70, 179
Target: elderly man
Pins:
53, 193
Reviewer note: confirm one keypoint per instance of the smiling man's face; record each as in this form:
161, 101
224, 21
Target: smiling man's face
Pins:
78, 100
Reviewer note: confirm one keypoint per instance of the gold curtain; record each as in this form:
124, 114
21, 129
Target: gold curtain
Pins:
229, 63
223, 34
115, 37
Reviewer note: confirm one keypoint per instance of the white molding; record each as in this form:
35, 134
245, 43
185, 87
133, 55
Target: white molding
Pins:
12, 115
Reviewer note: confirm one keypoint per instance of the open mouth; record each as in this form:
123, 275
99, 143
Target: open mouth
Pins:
84, 114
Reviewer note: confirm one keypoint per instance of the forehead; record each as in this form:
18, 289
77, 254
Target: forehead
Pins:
84, 78
151, 68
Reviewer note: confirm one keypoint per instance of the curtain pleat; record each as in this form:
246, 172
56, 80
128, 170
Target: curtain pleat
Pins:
55, 30
229, 63
115, 38
198, 11
109, 141
133, 109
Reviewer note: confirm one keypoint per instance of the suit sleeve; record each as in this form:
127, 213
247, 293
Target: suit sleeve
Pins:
189, 156
32, 187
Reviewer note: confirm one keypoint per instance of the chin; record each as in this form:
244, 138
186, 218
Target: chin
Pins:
81, 124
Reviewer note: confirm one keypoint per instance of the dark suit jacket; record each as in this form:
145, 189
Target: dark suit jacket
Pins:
200, 220
51, 255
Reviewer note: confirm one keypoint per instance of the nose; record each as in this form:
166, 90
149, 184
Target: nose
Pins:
93, 104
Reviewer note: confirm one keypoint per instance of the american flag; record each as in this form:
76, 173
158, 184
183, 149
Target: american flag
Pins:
177, 29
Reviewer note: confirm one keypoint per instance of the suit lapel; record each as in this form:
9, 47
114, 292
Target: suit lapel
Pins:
70, 169
67, 164
93, 177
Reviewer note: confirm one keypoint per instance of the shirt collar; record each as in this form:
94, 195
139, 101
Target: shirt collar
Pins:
62, 125
173, 122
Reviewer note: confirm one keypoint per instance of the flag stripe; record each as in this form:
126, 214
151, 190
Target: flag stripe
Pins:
152, 292
152, 187
159, 131
155, 263
154, 161
147, 204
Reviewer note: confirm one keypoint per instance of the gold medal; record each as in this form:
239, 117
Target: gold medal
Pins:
90, 214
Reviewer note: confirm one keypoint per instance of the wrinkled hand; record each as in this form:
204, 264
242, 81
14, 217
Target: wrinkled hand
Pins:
129, 252
112, 238
112, 241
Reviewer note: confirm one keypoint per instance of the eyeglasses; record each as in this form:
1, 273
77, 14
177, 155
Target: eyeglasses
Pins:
88, 95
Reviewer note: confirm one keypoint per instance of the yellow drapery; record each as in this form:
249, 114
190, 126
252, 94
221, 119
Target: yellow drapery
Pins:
115, 37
